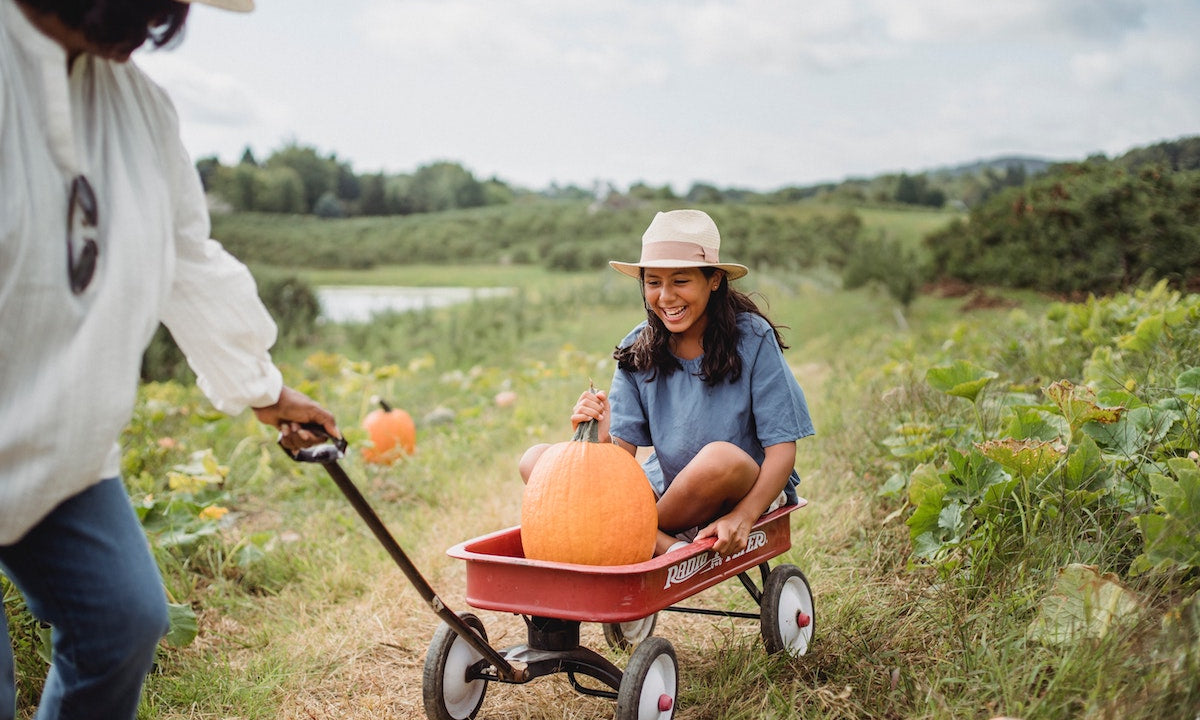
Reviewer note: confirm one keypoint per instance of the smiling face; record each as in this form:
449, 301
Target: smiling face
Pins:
679, 297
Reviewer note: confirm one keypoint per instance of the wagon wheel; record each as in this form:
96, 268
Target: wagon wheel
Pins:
623, 636
650, 683
787, 614
447, 692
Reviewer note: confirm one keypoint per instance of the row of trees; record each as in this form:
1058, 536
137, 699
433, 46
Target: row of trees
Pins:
298, 179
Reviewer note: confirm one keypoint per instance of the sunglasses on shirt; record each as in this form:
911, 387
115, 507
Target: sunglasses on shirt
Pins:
82, 267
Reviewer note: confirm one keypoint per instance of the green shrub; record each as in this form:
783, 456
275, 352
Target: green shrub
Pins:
1091, 227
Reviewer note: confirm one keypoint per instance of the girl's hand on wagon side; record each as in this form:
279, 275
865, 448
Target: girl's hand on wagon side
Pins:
731, 531
592, 406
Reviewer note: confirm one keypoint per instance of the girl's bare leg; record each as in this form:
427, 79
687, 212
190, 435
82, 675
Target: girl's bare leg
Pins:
529, 459
711, 484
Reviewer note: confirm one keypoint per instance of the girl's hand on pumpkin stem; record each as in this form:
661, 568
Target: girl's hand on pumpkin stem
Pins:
592, 406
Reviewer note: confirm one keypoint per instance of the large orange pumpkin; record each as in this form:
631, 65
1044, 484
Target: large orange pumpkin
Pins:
588, 502
393, 434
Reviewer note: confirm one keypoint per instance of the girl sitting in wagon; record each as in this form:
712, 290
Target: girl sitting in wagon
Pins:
702, 381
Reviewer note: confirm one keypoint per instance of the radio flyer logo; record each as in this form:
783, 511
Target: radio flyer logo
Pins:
685, 570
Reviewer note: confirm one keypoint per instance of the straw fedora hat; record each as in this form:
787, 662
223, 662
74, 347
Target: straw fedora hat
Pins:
680, 239
235, 5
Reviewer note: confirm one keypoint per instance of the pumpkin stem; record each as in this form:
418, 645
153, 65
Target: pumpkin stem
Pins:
587, 432
383, 404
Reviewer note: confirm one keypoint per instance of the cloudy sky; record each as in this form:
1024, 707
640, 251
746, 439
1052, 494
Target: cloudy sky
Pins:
739, 93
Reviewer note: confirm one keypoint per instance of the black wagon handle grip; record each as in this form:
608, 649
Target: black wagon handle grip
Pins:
326, 453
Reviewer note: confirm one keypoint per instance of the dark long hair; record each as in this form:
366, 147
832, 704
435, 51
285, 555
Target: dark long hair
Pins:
651, 350
125, 24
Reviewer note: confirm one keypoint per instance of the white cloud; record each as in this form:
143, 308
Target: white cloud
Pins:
925, 21
777, 36
460, 32
203, 96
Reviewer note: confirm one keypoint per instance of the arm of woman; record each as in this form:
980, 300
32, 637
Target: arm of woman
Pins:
213, 309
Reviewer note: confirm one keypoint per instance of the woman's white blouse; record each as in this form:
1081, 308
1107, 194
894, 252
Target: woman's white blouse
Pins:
69, 364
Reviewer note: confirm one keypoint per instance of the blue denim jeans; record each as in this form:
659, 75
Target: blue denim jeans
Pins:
87, 570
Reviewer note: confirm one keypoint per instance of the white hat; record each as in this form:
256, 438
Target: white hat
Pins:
680, 239
235, 5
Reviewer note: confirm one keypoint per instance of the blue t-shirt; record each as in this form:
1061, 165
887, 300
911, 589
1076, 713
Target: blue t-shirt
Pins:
678, 414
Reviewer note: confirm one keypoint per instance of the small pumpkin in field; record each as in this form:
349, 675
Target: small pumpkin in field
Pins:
392, 432
588, 502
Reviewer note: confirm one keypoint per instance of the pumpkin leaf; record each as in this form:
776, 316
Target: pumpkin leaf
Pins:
1136, 430
45, 642
926, 545
895, 485
1077, 403
915, 441
1146, 335
925, 485
960, 379
1026, 458
925, 491
1030, 423
1188, 383
951, 519
1081, 604
971, 474
1172, 535
1085, 468
182, 625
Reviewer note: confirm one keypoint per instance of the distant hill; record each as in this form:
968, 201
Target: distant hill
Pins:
968, 184
1180, 154
1031, 166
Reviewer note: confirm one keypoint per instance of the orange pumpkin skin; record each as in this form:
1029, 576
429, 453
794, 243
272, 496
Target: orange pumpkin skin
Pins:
588, 503
393, 434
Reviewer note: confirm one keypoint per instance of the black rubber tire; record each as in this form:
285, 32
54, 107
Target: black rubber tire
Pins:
444, 687
787, 615
650, 679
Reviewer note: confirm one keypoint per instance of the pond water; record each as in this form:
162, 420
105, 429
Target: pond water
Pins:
358, 303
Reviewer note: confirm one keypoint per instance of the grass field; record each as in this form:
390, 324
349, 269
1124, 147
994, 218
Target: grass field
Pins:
908, 225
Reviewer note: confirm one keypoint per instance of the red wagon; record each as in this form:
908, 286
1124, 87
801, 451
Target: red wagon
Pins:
554, 599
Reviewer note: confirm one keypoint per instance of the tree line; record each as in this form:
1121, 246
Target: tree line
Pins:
299, 179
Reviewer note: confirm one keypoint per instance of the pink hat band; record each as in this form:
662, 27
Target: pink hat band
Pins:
675, 250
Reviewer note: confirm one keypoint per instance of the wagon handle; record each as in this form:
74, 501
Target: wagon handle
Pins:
327, 455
